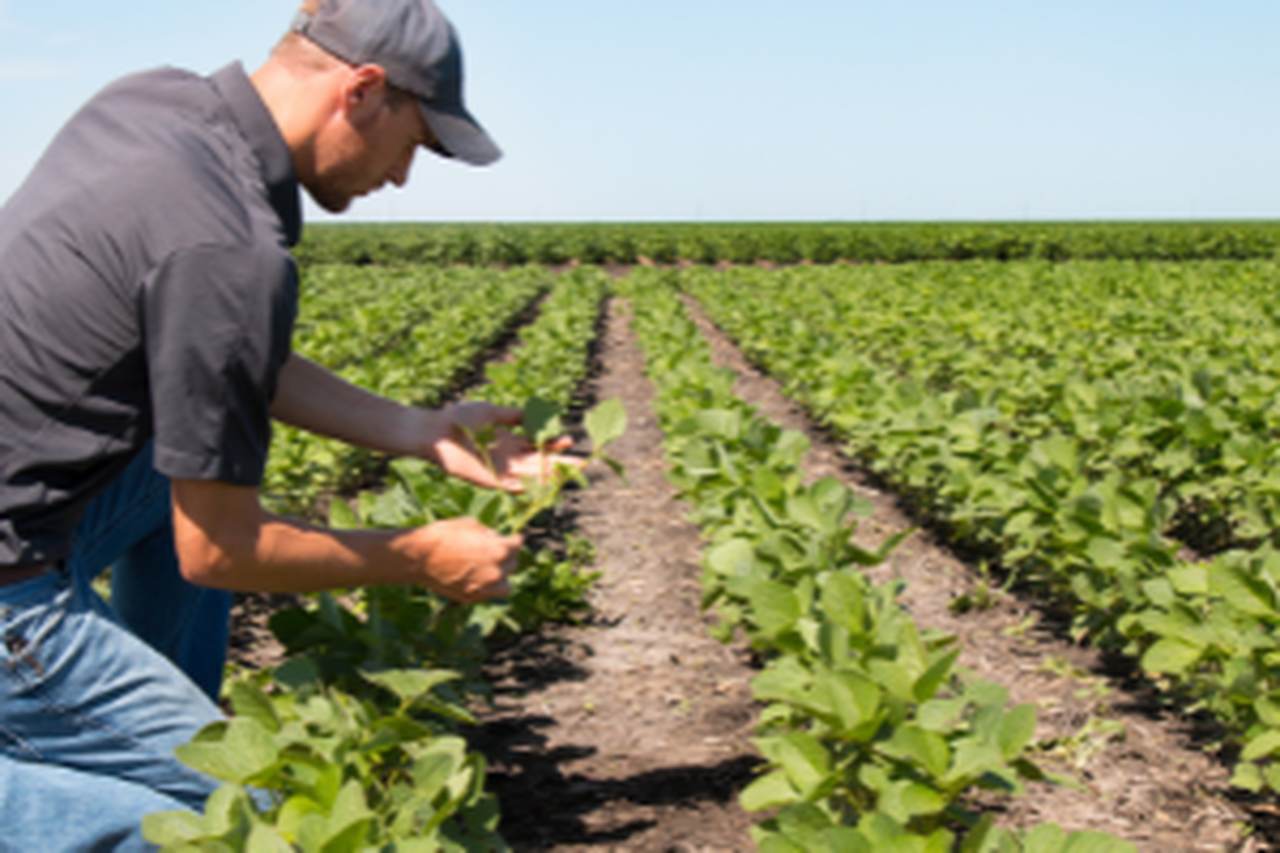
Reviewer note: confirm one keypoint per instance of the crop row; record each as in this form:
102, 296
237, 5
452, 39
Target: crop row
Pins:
872, 740
352, 744
1068, 421
709, 243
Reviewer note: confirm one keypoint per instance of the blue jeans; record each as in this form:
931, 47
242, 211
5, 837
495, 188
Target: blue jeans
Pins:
94, 698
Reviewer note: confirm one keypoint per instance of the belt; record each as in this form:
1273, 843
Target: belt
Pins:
15, 574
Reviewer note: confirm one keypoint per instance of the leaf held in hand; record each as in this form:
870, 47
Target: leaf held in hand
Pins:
541, 421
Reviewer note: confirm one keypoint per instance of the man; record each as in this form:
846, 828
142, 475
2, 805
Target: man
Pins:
147, 297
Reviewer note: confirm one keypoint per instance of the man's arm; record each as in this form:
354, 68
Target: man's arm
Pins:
226, 540
315, 399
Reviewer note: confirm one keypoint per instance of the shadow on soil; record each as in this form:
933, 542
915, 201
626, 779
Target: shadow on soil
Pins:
542, 807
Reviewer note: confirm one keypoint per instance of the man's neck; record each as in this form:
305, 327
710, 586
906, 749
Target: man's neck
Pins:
300, 102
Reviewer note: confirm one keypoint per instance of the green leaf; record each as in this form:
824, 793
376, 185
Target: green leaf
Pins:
437, 766
1268, 711
843, 599
1271, 775
1060, 450
1247, 776
411, 685
934, 677
972, 759
805, 760
296, 809
775, 842
1045, 838
226, 809
349, 820
1170, 655
1190, 579
297, 673
1261, 746
605, 423
783, 680
774, 606
395, 731
896, 678
431, 773
250, 701
731, 558
905, 800
541, 420
719, 423
1242, 590
854, 699
940, 715
1160, 592
803, 510
928, 750
986, 837
341, 516
233, 751
769, 791
172, 828
264, 839
805, 825
1016, 731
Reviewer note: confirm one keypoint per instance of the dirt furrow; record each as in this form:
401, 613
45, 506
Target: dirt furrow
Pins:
630, 732
1137, 772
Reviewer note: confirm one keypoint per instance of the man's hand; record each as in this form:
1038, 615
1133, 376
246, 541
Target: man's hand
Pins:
463, 560
506, 462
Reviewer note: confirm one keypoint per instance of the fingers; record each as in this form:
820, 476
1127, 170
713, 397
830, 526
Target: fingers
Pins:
501, 586
468, 562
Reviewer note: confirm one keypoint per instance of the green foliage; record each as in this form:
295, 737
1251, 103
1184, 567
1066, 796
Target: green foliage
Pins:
1074, 421
786, 243
316, 768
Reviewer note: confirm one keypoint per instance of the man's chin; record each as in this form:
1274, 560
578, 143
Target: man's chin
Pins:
331, 202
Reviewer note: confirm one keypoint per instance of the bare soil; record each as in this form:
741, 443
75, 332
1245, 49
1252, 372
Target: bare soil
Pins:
630, 732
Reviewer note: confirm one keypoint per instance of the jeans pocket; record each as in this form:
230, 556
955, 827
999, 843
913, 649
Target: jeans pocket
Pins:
30, 611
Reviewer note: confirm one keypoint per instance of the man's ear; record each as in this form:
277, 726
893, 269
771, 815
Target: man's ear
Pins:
364, 92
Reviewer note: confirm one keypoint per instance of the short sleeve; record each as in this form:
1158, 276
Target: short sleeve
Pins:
217, 323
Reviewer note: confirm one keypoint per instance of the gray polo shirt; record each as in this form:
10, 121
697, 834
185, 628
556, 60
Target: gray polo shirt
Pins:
146, 291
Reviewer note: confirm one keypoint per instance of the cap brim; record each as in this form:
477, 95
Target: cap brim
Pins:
461, 136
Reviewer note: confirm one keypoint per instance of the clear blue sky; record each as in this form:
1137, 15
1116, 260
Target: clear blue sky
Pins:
812, 109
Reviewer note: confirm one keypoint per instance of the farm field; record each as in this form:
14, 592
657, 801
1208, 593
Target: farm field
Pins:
968, 545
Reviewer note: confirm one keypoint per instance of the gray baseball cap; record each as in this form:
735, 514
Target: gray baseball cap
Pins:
418, 48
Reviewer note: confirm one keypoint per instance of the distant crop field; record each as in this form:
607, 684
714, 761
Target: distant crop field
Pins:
784, 243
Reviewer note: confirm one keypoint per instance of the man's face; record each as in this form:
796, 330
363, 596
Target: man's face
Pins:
375, 147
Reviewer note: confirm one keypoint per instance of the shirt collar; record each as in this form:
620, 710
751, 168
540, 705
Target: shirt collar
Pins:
259, 128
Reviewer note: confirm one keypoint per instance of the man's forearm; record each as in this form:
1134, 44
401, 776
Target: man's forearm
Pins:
226, 540
273, 554
316, 399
